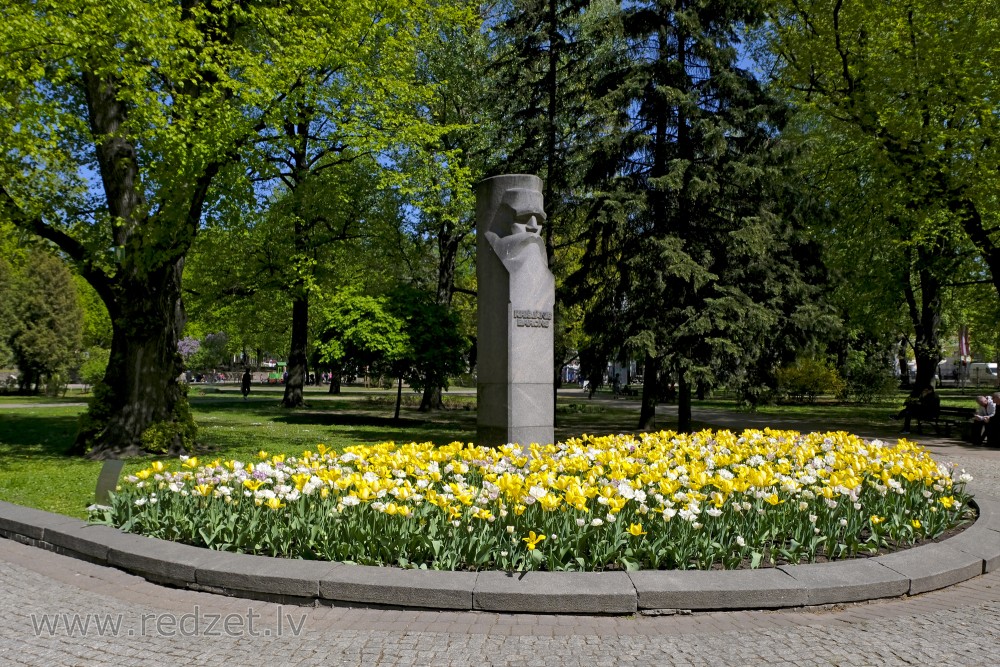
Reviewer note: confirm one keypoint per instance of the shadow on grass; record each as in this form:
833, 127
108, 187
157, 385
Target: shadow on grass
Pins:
348, 419
36, 436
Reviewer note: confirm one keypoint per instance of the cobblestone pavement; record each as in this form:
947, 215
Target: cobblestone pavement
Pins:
59, 611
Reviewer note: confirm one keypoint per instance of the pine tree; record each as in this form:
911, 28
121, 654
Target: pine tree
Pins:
689, 257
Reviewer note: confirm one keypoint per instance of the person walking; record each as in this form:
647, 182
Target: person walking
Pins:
245, 383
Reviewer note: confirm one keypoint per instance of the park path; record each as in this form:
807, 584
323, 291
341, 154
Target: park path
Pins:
46, 598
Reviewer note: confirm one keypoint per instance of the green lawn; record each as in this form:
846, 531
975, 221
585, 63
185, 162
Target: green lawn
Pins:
35, 471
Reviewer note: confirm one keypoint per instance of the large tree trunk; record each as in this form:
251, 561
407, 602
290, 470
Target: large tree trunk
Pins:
297, 367
141, 393
650, 389
449, 240
431, 400
683, 404
926, 319
904, 369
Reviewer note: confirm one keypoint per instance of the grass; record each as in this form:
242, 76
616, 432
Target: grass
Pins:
35, 470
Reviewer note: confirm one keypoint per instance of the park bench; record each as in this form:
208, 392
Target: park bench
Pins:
946, 418
626, 390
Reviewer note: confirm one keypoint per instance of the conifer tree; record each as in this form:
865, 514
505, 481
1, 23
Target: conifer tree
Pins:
690, 259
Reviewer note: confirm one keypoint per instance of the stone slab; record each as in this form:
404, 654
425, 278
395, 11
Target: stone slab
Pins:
555, 592
261, 574
768, 588
157, 560
847, 581
28, 521
107, 480
989, 511
933, 566
404, 588
80, 538
978, 541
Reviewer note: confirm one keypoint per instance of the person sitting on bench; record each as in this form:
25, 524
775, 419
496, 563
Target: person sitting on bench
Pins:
924, 407
985, 409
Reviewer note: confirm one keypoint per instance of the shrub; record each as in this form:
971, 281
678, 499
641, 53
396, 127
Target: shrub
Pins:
868, 379
807, 378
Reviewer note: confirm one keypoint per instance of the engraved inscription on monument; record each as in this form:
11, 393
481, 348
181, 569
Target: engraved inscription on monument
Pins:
533, 318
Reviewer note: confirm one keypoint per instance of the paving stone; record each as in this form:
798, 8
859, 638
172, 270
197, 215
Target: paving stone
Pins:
979, 541
989, 508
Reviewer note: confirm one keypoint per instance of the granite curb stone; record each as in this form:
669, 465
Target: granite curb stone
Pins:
236, 572
933, 566
79, 537
29, 522
989, 512
555, 592
405, 588
847, 581
725, 589
158, 560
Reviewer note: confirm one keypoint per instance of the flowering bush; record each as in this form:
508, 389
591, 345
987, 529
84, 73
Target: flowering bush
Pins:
657, 500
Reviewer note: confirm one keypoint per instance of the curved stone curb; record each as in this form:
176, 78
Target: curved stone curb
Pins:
973, 552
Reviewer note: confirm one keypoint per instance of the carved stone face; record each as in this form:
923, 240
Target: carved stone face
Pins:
520, 212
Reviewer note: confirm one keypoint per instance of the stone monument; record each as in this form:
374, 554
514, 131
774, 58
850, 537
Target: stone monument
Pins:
516, 295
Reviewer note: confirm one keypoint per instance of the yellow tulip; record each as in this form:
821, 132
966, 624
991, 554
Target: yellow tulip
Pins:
532, 540
274, 503
636, 530
253, 484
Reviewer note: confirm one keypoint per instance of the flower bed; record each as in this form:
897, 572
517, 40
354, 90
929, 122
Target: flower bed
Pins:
658, 500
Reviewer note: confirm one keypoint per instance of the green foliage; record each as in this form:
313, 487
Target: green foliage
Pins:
95, 364
360, 330
869, 378
891, 100
696, 257
436, 348
121, 124
46, 332
97, 329
211, 353
809, 377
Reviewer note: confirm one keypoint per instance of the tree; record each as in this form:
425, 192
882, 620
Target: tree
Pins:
548, 58
155, 100
361, 330
47, 323
692, 261
436, 348
906, 92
